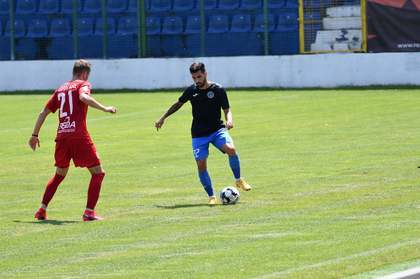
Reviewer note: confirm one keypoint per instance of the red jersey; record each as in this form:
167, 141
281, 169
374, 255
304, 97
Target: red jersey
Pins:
72, 111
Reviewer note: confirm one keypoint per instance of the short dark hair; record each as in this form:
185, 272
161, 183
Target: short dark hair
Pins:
81, 66
197, 67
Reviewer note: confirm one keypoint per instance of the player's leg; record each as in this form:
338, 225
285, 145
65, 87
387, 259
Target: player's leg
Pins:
201, 152
62, 162
224, 142
97, 176
49, 192
85, 155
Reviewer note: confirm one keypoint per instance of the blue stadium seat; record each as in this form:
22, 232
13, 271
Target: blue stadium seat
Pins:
112, 28
241, 23
34, 44
19, 28
285, 38
85, 26
4, 7
67, 6
60, 27
241, 40
90, 45
276, 4
124, 43
209, 4
193, 25
61, 46
127, 25
49, 6
183, 5
217, 35
292, 4
193, 40
92, 7
1, 29
287, 22
160, 5
25, 6
259, 23
218, 24
153, 25
117, 6
172, 25
37, 28
228, 4
251, 4
172, 42
132, 6
153, 29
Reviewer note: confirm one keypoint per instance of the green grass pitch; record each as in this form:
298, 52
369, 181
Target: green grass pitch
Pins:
335, 177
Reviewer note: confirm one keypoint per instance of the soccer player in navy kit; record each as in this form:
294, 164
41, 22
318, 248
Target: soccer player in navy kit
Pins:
207, 99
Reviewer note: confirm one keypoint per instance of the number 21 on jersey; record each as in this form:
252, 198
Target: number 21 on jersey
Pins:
62, 100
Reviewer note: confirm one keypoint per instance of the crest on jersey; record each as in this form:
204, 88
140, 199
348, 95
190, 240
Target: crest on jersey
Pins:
210, 94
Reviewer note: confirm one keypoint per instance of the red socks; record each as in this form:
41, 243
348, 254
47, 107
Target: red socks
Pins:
52, 186
94, 190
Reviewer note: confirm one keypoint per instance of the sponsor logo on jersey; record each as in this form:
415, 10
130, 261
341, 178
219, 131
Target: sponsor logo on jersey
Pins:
210, 94
195, 95
67, 126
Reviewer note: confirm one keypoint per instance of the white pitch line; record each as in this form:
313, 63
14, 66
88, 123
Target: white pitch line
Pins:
413, 273
339, 260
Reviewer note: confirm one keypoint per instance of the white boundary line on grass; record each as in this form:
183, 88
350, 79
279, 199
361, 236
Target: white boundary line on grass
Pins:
413, 273
339, 260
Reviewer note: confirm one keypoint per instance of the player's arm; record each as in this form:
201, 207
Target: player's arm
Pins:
226, 109
90, 101
176, 106
34, 139
228, 118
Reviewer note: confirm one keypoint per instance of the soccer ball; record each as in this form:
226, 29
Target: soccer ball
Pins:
229, 195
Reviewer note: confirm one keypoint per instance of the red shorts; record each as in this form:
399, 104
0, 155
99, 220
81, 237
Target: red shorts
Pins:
82, 151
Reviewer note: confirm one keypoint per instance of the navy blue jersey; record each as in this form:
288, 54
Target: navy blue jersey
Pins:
206, 108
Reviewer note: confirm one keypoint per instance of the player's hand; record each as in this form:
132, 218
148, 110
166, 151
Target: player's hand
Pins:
111, 109
229, 125
159, 124
34, 142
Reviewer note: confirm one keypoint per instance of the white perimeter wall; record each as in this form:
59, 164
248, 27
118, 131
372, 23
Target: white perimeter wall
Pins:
326, 70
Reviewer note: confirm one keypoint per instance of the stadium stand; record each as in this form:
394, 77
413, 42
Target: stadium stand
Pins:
340, 29
117, 6
67, 6
25, 7
4, 7
49, 7
61, 44
92, 7
228, 4
183, 5
173, 28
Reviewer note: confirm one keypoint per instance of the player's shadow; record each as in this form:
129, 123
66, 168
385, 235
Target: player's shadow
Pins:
176, 206
47, 222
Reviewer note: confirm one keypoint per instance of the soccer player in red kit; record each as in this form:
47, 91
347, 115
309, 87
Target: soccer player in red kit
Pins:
73, 140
